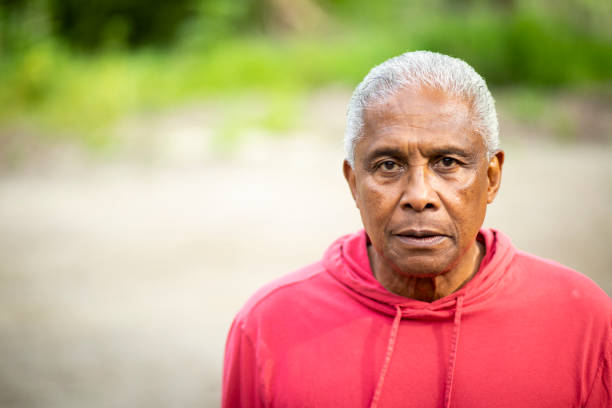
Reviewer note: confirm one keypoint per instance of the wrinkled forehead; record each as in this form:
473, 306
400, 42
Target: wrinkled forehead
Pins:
425, 108
423, 119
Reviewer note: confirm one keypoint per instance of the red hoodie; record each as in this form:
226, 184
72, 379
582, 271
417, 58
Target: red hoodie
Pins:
524, 332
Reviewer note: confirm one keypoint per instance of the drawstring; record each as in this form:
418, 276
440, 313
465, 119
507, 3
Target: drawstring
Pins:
452, 359
453, 355
390, 346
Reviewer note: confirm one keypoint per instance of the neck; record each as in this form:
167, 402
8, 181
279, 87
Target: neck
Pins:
428, 288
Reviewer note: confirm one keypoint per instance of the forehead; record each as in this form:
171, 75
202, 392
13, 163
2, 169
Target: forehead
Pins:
423, 117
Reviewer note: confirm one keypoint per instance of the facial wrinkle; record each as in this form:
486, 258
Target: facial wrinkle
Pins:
424, 287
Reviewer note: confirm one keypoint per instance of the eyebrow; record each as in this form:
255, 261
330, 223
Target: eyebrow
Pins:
437, 151
385, 151
451, 150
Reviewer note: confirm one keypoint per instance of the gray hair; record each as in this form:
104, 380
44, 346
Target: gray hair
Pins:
423, 69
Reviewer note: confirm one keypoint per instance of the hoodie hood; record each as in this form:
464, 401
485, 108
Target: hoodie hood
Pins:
347, 261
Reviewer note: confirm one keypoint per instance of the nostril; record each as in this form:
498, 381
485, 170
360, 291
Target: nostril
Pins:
419, 206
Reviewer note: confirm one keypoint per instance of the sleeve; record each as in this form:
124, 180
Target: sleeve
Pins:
601, 392
240, 372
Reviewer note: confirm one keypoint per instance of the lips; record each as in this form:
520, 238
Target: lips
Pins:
420, 237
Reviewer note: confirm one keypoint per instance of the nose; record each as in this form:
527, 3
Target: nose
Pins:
418, 193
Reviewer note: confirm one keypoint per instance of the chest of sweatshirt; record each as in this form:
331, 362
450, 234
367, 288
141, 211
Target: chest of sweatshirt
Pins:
320, 347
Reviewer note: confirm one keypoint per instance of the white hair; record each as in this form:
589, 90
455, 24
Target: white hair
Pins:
423, 69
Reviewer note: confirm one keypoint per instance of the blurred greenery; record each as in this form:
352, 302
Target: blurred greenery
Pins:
77, 66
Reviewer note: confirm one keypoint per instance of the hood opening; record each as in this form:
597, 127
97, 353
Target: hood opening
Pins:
347, 261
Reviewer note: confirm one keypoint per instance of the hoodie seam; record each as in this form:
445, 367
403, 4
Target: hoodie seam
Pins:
597, 375
258, 382
245, 320
255, 305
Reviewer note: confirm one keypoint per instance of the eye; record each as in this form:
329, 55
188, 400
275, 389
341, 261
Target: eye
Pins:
388, 168
448, 162
388, 165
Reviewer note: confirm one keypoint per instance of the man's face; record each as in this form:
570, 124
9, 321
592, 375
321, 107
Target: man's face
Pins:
422, 181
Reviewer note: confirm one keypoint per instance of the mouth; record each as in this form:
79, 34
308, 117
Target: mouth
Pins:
420, 238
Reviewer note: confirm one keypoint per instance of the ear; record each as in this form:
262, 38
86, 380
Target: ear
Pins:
494, 173
349, 175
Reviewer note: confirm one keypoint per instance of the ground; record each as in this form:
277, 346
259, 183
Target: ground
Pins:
120, 276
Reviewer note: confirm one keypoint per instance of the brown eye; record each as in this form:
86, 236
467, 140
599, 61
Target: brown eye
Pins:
389, 165
448, 162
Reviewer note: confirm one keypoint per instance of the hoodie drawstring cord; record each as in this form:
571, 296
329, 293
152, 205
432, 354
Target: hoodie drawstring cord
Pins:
452, 358
453, 354
390, 346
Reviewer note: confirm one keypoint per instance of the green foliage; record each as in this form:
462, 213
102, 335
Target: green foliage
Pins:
112, 23
227, 47
528, 104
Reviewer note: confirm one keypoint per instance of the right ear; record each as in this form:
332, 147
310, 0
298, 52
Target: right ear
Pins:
349, 175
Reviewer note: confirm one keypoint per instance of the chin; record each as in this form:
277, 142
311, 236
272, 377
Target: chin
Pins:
423, 268
422, 262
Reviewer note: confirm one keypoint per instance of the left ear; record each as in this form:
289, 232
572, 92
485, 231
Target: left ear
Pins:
494, 173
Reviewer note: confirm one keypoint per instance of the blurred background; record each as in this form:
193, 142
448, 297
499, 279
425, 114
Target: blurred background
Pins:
159, 161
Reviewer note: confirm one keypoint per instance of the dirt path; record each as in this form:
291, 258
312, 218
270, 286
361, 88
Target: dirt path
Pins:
119, 280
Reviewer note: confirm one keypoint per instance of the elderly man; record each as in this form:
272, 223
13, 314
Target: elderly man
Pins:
423, 308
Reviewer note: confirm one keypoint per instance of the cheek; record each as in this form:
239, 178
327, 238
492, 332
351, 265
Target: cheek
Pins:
466, 201
376, 204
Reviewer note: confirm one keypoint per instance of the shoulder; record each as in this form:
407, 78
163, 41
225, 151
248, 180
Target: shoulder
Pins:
558, 283
283, 292
553, 274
